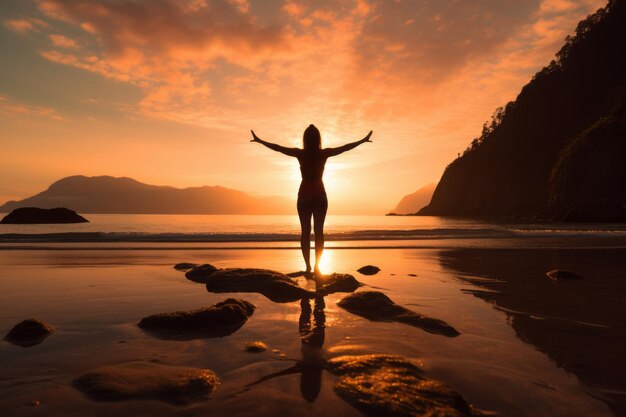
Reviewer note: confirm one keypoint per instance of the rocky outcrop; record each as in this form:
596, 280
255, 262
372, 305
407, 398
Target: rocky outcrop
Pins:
147, 380
587, 182
219, 320
200, 273
376, 306
34, 215
28, 333
386, 385
274, 285
556, 153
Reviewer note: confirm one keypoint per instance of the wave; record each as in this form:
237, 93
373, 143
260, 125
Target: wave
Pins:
358, 235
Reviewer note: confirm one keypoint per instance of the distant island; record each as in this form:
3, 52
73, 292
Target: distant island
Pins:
412, 203
111, 195
34, 215
556, 152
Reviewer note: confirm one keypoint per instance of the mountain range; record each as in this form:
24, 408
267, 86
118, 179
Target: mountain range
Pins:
106, 194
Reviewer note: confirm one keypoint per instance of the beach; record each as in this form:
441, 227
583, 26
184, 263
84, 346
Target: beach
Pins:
528, 346
560, 354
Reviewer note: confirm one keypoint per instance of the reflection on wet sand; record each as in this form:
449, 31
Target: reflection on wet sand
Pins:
96, 311
577, 324
313, 361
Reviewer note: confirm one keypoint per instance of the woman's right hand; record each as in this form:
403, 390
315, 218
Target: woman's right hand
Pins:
367, 138
255, 138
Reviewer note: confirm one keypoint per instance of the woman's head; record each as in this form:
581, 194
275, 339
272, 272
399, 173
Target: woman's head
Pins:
312, 138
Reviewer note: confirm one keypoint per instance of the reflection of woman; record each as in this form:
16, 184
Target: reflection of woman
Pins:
312, 363
312, 195
311, 366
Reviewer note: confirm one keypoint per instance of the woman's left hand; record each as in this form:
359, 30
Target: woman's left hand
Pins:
255, 138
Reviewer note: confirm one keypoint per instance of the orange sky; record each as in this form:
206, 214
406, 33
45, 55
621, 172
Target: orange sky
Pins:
166, 91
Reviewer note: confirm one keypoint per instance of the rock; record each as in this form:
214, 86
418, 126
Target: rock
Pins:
200, 273
256, 347
219, 320
297, 274
28, 333
147, 380
330, 284
34, 215
376, 306
558, 274
369, 270
274, 285
183, 266
385, 385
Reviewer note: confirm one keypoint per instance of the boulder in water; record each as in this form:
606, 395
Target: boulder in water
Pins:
386, 385
330, 284
200, 273
369, 270
28, 333
183, 266
219, 320
147, 380
376, 306
274, 285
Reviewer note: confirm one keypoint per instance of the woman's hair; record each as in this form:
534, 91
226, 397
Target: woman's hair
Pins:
312, 138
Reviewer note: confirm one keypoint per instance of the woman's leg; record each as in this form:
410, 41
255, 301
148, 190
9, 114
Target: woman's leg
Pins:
304, 213
319, 216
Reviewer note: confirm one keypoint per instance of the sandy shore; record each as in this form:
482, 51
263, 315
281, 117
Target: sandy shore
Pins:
528, 346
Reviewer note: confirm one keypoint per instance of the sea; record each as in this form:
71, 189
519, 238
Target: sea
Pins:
283, 231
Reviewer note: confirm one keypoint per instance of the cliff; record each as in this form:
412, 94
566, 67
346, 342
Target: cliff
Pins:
556, 151
411, 203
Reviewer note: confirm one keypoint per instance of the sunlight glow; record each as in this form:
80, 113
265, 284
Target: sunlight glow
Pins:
327, 263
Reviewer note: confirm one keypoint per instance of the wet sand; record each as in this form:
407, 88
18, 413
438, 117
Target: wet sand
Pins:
528, 346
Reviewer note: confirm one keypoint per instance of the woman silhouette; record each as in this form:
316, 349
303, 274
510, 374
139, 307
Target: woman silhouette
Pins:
312, 199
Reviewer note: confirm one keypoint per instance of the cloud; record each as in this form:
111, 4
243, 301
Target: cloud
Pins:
9, 108
25, 25
167, 28
432, 60
168, 48
230, 64
62, 41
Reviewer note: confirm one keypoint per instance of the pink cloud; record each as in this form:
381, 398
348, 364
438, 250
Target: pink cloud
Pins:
25, 25
15, 109
168, 27
216, 62
62, 41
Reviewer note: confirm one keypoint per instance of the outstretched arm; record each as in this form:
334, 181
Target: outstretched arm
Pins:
348, 146
275, 147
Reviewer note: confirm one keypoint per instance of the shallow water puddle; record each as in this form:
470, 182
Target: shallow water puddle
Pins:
95, 299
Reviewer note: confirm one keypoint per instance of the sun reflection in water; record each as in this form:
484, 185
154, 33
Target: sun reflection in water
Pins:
327, 262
